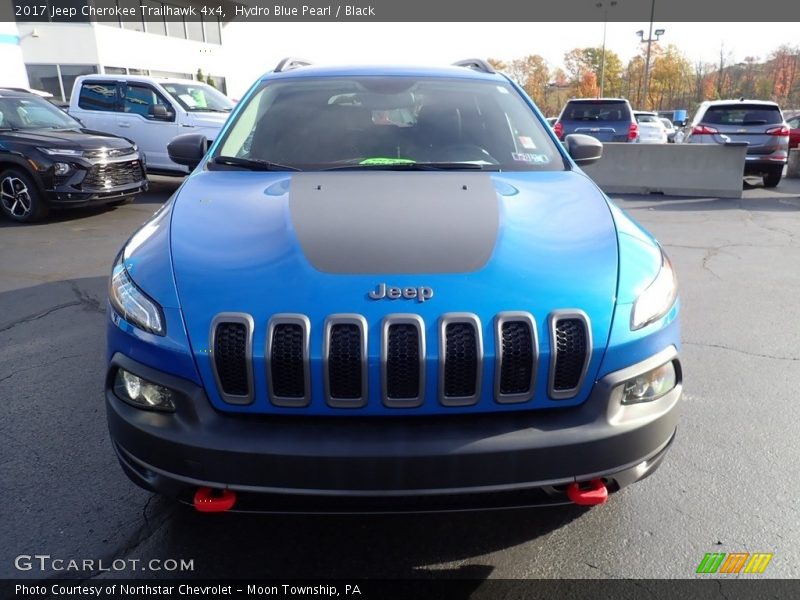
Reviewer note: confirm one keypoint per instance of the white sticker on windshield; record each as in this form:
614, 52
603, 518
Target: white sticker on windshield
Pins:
191, 102
530, 158
526, 142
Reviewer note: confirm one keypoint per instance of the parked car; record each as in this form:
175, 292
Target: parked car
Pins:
47, 160
607, 119
651, 129
670, 128
794, 131
149, 110
759, 123
338, 311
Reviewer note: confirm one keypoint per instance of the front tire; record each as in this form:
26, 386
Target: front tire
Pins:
773, 177
20, 199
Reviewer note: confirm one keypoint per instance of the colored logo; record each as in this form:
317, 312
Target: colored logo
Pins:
735, 562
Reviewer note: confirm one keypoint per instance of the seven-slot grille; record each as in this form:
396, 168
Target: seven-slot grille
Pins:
287, 360
113, 174
570, 340
345, 358
231, 356
461, 352
403, 360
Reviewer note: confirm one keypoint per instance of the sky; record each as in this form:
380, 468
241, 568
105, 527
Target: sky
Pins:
443, 43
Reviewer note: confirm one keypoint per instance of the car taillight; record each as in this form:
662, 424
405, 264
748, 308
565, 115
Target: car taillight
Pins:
782, 130
558, 129
703, 130
633, 131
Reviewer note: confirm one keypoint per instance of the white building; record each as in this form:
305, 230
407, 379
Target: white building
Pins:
45, 53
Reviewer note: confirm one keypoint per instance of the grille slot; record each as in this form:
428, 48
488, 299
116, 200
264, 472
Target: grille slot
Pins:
403, 360
570, 341
109, 175
517, 354
231, 357
345, 361
461, 357
287, 360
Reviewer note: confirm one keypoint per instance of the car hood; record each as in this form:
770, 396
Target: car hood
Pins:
207, 119
319, 243
67, 138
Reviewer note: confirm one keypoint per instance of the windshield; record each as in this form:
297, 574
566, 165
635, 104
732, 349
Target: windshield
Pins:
32, 112
596, 110
389, 122
645, 118
198, 97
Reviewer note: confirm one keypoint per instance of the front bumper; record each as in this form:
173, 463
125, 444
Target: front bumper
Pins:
317, 464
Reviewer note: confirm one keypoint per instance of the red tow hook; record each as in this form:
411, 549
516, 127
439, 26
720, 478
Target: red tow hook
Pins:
210, 501
597, 493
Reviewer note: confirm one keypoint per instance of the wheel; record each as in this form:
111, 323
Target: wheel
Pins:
773, 178
20, 200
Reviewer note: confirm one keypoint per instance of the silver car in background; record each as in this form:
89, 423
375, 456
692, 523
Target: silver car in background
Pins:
651, 129
759, 123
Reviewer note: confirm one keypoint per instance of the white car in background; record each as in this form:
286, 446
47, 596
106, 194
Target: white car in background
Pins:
149, 111
651, 129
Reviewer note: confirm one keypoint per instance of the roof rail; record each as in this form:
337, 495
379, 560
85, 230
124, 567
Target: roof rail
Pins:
477, 64
289, 63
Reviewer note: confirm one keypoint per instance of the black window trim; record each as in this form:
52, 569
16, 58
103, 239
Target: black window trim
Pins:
105, 82
123, 90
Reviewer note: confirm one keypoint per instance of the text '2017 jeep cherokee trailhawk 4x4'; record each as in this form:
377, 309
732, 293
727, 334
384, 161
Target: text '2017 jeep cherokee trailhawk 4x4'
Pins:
390, 289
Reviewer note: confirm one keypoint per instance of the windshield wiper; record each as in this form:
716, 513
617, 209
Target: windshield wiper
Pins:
415, 166
252, 163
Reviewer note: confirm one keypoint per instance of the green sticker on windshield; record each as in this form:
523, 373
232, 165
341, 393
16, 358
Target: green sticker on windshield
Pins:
387, 161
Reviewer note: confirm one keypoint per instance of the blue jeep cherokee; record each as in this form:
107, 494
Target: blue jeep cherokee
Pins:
390, 289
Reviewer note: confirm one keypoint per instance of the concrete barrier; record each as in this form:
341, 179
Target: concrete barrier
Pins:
793, 167
673, 169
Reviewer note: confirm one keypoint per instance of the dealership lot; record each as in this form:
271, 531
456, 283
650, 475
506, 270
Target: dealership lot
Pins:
729, 484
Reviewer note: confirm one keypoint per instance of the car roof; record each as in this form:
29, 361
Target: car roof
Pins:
145, 78
645, 112
597, 100
739, 101
389, 71
9, 93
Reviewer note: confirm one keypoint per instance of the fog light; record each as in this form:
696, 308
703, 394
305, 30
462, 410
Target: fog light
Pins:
142, 393
650, 386
60, 168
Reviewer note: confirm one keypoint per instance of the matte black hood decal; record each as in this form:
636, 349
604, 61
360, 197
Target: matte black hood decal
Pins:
395, 222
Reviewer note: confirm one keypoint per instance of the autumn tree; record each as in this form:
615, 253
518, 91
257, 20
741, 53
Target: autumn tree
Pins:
533, 74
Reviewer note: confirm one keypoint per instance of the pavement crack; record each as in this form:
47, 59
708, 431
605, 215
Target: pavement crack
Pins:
85, 300
745, 352
39, 366
39, 315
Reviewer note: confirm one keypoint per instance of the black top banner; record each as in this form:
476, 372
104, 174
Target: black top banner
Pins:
711, 11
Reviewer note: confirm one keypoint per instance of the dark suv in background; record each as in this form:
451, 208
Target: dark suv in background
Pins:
607, 119
758, 123
47, 160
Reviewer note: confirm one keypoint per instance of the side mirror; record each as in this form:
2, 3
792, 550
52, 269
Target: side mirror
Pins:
187, 149
160, 112
584, 149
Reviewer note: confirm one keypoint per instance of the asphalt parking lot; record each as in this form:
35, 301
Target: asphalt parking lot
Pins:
729, 484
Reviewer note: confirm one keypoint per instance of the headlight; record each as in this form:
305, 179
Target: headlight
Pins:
61, 168
131, 303
650, 386
142, 393
61, 152
657, 299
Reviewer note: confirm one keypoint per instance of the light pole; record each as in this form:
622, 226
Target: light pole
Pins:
603, 55
649, 41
